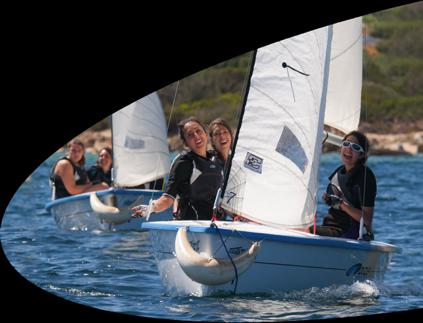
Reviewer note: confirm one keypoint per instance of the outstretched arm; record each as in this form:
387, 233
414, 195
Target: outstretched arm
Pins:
159, 205
162, 203
64, 169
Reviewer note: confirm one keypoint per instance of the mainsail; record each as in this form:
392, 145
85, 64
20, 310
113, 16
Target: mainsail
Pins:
343, 101
273, 174
140, 148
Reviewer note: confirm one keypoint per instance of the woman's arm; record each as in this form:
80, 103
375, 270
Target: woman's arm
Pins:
159, 205
64, 169
356, 214
162, 203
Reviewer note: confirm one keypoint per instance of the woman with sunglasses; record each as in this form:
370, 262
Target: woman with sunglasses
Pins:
351, 192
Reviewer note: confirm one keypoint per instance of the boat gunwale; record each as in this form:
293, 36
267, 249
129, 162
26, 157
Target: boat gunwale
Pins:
83, 196
307, 239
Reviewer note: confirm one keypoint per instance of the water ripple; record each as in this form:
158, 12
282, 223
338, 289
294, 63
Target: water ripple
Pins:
116, 271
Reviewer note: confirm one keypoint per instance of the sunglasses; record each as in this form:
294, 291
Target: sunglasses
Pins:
354, 146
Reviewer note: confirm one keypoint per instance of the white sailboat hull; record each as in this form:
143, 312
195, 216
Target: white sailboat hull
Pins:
287, 260
75, 212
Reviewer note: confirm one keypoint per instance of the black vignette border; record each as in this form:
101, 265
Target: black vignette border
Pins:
65, 74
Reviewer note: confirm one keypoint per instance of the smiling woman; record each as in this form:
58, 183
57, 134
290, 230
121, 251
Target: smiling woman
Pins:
195, 177
221, 138
351, 192
68, 176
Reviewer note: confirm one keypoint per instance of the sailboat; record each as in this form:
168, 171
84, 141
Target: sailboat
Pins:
272, 180
140, 157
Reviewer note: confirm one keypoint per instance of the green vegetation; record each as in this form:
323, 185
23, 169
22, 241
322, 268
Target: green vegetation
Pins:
392, 77
211, 93
393, 66
101, 125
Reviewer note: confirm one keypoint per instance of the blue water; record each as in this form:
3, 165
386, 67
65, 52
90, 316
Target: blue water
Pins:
116, 271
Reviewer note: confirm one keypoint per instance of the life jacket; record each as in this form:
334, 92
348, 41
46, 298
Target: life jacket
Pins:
97, 175
344, 185
205, 179
58, 188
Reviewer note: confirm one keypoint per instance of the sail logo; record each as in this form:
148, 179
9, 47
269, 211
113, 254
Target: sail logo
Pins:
253, 163
133, 143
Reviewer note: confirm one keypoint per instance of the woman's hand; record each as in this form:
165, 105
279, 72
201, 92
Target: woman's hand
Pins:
139, 210
143, 210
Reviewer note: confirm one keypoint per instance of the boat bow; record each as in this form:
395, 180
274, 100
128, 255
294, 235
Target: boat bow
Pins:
107, 213
206, 269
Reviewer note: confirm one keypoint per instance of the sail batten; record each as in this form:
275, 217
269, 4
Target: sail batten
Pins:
140, 148
273, 174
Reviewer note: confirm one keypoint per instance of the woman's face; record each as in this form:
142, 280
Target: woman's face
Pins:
221, 138
76, 152
348, 154
104, 160
195, 138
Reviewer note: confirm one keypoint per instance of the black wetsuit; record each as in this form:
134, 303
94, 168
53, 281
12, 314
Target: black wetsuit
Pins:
195, 181
338, 223
97, 175
79, 175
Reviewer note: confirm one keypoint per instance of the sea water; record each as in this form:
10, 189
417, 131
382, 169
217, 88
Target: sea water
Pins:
116, 271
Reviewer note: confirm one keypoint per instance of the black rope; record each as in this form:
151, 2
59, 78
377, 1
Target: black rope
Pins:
227, 252
285, 65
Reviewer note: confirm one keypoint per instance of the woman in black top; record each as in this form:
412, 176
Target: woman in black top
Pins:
102, 170
194, 178
221, 138
351, 192
68, 175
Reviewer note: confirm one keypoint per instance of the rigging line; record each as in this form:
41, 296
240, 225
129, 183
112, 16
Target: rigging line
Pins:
285, 65
167, 132
348, 48
290, 82
299, 64
229, 255
173, 105
366, 150
251, 242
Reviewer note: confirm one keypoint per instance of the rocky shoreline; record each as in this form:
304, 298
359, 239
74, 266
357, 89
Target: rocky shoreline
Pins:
381, 144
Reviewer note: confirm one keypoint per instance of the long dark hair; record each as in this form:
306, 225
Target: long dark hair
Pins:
181, 125
109, 151
363, 142
219, 122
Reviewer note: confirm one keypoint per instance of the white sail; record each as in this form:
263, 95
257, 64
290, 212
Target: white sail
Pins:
343, 101
140, 148
273, 175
